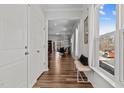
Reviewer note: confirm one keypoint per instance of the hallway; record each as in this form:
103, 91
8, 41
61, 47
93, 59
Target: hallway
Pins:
61, 74
31, 35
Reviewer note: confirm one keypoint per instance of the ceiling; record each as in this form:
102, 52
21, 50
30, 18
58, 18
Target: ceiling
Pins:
62, 18
65, 7
61, 27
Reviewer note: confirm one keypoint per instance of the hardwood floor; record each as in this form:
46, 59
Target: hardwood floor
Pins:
61, 74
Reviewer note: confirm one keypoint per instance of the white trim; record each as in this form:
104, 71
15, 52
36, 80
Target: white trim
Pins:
28, 43
96, 47
34, 81
97, 37
91, 36
108, 64
117, 54
107, 78
121, 55
121, 40
119, 65
66, 9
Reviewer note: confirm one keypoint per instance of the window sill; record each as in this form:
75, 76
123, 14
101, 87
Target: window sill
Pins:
107, 78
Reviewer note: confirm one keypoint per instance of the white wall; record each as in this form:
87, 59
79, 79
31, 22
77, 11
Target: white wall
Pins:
83, 47
97, 81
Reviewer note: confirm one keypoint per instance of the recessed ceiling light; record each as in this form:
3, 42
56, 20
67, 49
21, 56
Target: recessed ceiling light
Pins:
57, 33
55, 24
64, 29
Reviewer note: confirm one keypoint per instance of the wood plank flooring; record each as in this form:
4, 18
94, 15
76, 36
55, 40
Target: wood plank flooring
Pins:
61, 74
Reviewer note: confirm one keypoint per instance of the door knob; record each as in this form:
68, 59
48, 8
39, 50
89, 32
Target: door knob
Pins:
38, 51
26, 47
26, 53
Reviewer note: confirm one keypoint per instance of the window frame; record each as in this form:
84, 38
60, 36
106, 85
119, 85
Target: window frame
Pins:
122, 55
121, 42
118, 76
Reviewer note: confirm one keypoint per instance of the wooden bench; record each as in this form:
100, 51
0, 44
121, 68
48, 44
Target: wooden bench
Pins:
80, 69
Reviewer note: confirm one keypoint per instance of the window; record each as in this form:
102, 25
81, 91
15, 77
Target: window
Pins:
107, 40
106, 35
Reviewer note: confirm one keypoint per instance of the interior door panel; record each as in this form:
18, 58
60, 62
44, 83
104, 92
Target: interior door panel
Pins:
35, 43
13, 38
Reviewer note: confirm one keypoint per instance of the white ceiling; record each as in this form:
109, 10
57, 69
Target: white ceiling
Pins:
63, 11
62, 7
61, 27
62, 18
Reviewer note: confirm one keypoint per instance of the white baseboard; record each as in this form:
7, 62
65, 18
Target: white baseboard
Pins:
34, 81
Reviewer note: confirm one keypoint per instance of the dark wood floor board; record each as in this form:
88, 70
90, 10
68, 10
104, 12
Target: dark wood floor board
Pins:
61, 74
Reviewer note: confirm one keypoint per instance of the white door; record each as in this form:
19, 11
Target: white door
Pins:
13, 39
35, 44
